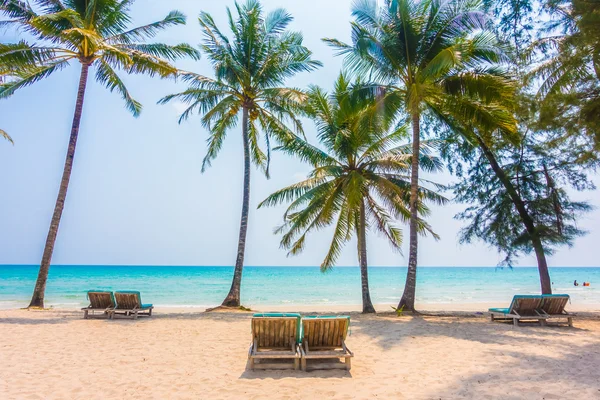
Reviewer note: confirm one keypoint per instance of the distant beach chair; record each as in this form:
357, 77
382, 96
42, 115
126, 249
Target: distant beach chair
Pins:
275, 336
553, 306
129, 303
325, 338
522, 308
99, 301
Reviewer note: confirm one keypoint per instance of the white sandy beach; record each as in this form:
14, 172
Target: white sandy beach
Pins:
186, 354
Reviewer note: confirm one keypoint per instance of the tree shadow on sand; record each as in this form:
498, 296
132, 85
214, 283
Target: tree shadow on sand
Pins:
390, 331
568, 374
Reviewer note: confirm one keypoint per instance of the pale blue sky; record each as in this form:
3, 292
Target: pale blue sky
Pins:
137, 195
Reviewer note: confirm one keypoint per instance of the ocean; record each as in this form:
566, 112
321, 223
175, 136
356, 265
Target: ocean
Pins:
172, 286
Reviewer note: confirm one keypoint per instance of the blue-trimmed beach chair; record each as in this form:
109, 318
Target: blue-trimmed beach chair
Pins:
324, 338
522, 308
100, 300
129, 303
275, 336
553, 307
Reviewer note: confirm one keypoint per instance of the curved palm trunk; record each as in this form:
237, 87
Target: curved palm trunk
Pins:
536, 242
408, 297
233, 298
37, 299
362, 255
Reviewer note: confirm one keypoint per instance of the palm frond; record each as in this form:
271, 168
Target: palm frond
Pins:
6, 136
108, 77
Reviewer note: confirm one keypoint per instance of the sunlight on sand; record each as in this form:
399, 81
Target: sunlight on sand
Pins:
56, 354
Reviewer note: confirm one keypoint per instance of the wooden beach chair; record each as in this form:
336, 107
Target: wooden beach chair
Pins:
325, 338
99, 301
275, 336
129, 303
523, 308
553, 307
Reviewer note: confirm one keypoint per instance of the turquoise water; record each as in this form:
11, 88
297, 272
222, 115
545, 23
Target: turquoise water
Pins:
207, 286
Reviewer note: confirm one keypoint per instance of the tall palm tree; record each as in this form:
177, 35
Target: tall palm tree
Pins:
250, 72
360, 179
95, 33
424, 53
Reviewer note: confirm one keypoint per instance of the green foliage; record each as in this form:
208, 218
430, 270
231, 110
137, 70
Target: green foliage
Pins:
430, 57
570, 76
93, 32
362, 161
250, 70
399, 311
539, 167
515, 22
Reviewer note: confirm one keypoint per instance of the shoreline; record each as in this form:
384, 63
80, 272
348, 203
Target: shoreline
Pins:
447, 308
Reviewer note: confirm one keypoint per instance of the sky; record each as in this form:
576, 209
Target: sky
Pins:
137, 195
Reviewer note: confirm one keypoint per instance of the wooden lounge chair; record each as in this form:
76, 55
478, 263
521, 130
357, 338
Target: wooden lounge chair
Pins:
275, 336
129, 303
522, 308
553, 306
324, 338
99, 301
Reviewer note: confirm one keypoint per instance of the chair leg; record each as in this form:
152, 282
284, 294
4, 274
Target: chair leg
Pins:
135, 314
348, 363
570, 321
296, 364
85, 314
150, 313
303, 362
515, 322
251, 362
492, 317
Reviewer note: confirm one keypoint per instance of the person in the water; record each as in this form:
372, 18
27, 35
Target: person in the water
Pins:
575, 283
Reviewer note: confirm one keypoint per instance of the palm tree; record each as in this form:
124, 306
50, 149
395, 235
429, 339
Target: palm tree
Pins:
94, 33
424, 53
361, 179
250, 71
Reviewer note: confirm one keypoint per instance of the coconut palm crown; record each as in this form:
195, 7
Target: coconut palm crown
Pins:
360, 181
429, 58
250, 72
93, 32
96, 34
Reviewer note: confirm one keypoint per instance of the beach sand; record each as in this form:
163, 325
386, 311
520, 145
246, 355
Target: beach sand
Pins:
184, 354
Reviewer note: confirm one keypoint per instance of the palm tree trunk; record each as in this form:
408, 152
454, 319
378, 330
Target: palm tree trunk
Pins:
37, 299
519, 204
233, 298
407, 302
362, 255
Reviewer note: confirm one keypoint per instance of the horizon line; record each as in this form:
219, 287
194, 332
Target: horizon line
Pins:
294, 266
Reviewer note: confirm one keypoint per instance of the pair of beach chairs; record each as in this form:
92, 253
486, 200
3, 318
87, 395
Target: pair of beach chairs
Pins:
535, 308
285, 341
127, 303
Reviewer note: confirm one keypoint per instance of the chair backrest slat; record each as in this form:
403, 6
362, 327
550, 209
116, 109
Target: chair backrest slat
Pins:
555, 304
275, 332
101, 299
128, 300
526, 305
325, 332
